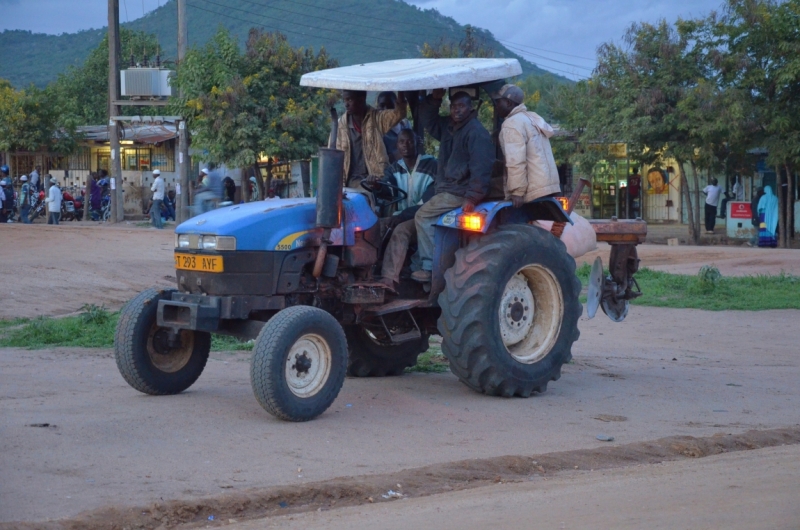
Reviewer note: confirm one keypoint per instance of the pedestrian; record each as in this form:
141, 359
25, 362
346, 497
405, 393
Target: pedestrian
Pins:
24, 200
95, 197
158, 197
768, 219
229, 190
254, 193
169, 205
34, 180
712, 192
53, 201
4, 194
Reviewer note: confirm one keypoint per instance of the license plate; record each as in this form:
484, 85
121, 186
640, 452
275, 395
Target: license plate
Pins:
197, 262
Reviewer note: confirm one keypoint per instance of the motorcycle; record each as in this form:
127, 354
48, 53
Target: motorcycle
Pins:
71, 207
38, 206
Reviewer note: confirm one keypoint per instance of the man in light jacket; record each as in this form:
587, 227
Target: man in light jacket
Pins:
53, 201
360, 135
158, 198
531, 170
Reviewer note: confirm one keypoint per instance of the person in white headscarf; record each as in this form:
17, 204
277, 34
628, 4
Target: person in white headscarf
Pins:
254, 191
768, 219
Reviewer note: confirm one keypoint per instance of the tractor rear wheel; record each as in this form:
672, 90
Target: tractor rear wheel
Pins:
371, 357
510, 311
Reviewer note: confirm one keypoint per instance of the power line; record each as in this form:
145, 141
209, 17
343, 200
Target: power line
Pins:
350, 23
549, 59
380, 19
280, 29
304, 34
547, 51
303, 25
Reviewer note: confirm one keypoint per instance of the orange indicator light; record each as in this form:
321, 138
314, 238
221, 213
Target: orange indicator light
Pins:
564, 202
471, 221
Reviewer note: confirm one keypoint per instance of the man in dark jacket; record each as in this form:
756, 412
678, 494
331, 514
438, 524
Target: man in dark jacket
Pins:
466, 157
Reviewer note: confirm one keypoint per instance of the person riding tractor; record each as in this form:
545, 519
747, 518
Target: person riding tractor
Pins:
300, 276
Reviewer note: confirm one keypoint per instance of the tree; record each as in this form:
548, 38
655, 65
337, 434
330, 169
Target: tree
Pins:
30, 122
757, 45
240, 106
82, 92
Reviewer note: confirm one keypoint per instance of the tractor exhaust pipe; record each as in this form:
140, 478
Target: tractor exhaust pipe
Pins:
329, 193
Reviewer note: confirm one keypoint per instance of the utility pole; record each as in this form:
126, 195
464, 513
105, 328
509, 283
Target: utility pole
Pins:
183, 131
117, 204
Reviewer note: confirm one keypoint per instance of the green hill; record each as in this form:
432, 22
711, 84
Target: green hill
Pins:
353, 31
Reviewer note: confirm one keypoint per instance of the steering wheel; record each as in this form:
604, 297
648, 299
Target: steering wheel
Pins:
382, 203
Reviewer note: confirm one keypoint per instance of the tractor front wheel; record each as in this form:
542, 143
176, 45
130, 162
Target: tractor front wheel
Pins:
299, 363
149, 359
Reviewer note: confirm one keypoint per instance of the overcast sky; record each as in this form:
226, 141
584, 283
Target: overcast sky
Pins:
540, 28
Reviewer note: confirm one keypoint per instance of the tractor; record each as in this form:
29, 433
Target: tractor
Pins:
297, 276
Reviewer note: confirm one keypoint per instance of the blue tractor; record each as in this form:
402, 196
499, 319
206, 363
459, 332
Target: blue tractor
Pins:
298, 277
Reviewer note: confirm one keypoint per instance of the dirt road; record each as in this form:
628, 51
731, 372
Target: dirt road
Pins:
58, 269
740, 491
77, 438
662, 372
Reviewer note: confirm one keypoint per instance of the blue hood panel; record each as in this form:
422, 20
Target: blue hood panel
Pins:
279, 224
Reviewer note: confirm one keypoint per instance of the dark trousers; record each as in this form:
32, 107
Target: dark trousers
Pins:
53, 218
711, 217
23, 214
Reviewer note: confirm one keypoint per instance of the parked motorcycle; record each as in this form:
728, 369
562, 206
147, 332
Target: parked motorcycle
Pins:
38, 206
71, 207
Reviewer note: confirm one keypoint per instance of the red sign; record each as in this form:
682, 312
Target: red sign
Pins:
741, 210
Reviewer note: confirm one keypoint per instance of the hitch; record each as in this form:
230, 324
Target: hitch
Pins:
614, 292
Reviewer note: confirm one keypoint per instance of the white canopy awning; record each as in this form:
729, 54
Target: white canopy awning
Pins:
413, 74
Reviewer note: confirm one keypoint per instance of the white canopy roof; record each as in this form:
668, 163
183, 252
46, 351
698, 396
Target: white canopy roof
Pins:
413, 74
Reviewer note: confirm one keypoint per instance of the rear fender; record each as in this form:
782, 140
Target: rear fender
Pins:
544, 209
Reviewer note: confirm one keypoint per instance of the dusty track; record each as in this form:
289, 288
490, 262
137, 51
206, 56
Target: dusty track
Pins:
58, 269
662, 373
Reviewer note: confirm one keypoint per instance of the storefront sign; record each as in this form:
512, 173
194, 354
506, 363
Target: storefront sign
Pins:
740, 210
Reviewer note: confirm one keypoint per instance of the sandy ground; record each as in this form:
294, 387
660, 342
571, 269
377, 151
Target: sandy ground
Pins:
59, 269
662, 372
740, 491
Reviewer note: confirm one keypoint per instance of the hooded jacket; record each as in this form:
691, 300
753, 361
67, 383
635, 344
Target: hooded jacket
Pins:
375, 124
466, 152
531, 170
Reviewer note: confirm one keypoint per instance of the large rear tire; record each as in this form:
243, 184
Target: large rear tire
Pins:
510, 311
143, 355
370, 357
299, 363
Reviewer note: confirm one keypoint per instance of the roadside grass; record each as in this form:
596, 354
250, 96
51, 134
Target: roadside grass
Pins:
710, 291
94, 328
227, 343
432, 361
13, 322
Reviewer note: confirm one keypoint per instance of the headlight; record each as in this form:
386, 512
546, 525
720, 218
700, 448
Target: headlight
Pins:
207, 242
226, 243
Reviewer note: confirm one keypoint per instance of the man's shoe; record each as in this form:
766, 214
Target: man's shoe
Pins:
422, 276
388, 283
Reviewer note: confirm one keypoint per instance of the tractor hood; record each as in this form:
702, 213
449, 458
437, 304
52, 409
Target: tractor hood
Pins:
279, 224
